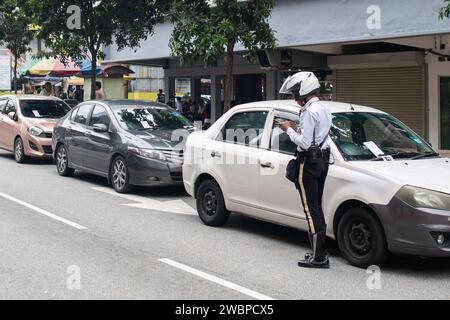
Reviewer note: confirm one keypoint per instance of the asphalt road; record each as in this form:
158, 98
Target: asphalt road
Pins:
73, 238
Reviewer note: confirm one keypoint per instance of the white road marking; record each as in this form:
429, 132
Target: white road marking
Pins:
172, 206
43, 212
216, 280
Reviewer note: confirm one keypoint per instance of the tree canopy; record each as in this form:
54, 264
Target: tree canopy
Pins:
14, 31
445, 10
210, 30
78, 29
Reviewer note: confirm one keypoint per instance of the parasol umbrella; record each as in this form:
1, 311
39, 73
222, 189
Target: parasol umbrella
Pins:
49, 67
86, 68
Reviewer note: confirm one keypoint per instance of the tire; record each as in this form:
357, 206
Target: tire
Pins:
62, 162
361, 238
211, 205
119, 175
19, 152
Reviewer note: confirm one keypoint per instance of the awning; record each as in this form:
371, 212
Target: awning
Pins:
76, 81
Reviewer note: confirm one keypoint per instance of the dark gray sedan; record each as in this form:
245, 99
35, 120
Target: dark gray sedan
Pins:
131, 143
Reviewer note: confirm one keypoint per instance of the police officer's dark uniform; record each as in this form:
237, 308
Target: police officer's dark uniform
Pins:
313, 160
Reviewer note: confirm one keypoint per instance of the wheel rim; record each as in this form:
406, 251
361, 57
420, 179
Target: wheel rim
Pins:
18, 151
119, 174
62, 159
210, 202
359, 238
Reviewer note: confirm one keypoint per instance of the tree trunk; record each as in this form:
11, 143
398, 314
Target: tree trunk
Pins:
15, 73
228, 90
93, 73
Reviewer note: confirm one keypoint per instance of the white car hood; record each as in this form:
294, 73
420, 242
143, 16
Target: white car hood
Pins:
433, 174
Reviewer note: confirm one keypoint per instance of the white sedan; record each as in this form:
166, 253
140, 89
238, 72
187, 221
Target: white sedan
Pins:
387, 190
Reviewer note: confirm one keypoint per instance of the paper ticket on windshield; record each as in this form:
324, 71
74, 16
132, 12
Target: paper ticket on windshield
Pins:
374, 148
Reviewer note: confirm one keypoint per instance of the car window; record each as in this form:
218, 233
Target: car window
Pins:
82, 114
245, 128
279, 140
99, 116
10, 107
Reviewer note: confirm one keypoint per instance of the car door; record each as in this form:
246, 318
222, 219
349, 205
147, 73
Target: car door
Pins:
75, 131
8, 126
278, 195
98, 144
234, 156
3, 125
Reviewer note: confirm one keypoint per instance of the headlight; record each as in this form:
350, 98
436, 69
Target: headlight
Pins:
35, 131
424, 198
148, 153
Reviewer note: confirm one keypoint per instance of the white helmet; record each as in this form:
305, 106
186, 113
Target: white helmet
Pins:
301, 85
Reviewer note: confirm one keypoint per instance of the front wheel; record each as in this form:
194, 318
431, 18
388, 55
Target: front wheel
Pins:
62, 162
19, 151
119, 175
211, 205
361, 238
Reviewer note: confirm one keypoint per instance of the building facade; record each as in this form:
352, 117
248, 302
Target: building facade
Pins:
392, 55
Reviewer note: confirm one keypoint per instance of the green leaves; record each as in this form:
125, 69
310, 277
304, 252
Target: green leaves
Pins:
202, 32
102, 23
14, 26
445, 11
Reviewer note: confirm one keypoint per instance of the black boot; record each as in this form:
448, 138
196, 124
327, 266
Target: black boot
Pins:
309, 255
319, 259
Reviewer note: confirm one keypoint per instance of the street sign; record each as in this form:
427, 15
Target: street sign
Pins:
5, 73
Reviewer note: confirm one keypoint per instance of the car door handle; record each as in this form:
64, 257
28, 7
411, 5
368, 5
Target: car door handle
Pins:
266, 165
88, 134
215, 154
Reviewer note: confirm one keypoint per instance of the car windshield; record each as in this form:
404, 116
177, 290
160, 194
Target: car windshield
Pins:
150, 118
367, 136
43, 109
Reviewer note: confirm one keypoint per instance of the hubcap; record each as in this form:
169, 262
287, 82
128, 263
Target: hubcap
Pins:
61, 159
119, 174
210, 202
18, 151
360, 238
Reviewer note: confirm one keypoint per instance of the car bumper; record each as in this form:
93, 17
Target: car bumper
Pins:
412, 231
150, 172
38, 147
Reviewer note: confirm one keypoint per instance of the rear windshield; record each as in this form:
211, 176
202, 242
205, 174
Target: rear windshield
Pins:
43, 109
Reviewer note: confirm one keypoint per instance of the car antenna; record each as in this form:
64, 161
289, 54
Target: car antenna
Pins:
351, 107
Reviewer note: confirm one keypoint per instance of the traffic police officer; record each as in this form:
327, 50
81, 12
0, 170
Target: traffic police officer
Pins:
313, 159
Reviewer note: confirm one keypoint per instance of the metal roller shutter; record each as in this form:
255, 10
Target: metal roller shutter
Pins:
398, 91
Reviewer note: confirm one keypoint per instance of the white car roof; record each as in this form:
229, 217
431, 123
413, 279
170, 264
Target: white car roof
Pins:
291, 105
30, 97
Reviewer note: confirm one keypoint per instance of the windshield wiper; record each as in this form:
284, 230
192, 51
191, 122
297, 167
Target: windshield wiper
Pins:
426, 155
395, 155
404, 154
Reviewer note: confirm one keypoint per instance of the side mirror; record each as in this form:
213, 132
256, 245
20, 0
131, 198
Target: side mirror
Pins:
12, 116
100, 127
